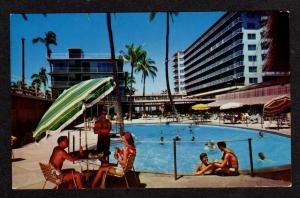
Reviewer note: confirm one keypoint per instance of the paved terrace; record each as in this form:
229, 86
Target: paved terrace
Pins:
26, 173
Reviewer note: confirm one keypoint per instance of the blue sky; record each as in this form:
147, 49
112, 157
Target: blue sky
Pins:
89, 33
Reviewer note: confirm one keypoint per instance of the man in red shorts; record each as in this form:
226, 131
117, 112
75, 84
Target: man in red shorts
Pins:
102, 128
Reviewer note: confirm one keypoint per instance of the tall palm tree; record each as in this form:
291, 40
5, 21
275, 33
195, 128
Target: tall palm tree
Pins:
115, 76
40, 78
49, 39
168, 15
133, 55
147, 68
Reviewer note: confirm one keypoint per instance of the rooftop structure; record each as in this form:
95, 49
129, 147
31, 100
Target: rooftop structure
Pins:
68, 69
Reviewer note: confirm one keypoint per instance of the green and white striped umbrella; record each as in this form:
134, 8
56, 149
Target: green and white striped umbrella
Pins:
71, 104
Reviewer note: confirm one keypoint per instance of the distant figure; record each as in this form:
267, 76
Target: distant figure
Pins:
58, 156
177, 137
261, 134
263, 159
161, 139
205, 167
193, 138
229, 164
211, 145
167, 123
261, 156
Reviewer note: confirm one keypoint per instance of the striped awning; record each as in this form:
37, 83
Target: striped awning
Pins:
71, 104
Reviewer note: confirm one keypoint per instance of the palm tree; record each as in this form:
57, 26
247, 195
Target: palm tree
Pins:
128, 80
49, 39
133, 56
115, 77
146, 67
40, 78
168, 15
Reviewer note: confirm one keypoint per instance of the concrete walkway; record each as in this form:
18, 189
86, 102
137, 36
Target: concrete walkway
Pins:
26, 173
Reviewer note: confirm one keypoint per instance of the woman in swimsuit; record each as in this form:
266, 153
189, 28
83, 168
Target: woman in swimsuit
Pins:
121, 156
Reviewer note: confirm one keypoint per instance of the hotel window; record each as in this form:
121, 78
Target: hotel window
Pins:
251, 47
252, 80
181, 59
253, 69
251, 36
251, 58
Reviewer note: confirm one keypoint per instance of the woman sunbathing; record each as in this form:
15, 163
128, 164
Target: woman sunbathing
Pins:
121, 155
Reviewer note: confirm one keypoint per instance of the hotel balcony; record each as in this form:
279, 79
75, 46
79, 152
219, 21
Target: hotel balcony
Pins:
217, 45
219, 24
227, 28
229, 47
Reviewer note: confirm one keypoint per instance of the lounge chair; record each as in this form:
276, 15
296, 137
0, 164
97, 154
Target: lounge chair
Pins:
128, 167
49, 174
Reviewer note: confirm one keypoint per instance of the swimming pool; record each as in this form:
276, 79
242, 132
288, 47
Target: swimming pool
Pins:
156, 157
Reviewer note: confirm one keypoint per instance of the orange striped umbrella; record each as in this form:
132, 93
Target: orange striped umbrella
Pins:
277, 105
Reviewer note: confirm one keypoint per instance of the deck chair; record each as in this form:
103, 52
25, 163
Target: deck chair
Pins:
49, 174
128, 167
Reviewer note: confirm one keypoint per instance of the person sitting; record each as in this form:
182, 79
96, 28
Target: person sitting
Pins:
121, 155
205, 167
58, 156
229, 164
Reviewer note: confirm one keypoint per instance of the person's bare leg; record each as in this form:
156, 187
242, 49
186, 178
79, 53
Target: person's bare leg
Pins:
103, 183
98, 176
68, 177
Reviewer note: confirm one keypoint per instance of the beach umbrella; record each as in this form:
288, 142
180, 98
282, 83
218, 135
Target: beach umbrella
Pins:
200, 107
71, 104
231, 105
277, 105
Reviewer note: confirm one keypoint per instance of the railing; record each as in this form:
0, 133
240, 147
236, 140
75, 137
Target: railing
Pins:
223, 70
230, 57
232, 24
229, 47
63, 70
212, 30
258, 92
215, 82
82, 55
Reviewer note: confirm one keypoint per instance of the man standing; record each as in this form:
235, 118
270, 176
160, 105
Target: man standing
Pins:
59, 155
102, 127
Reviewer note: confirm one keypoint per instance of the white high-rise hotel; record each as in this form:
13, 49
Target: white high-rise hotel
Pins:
227, 56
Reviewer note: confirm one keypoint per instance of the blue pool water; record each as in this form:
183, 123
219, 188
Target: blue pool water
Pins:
153, 156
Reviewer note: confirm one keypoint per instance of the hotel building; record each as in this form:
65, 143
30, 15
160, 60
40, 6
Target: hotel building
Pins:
178, 73
226, 57
67, 69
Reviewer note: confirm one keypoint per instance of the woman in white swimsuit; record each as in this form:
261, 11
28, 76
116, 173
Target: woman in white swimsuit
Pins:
121, 156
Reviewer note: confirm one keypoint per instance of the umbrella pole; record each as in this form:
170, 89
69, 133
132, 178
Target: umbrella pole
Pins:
85, 132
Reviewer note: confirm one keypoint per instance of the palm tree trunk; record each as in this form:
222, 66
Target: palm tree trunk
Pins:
144, 81
130, 94
118, 104
167, 65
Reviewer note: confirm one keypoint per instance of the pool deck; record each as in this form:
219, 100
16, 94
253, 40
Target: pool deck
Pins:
27, 158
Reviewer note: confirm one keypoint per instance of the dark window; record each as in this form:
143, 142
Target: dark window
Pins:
251, 26
263, 57
252, 58
252, 69
252, 80
251, 36
251, 47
